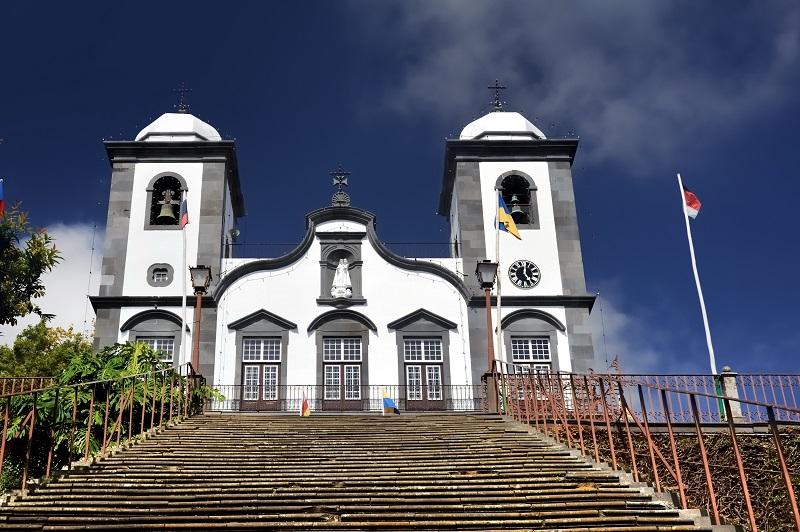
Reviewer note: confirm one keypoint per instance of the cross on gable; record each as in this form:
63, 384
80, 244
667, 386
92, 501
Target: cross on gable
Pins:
339, 178
340, 197
183, 105
497, 103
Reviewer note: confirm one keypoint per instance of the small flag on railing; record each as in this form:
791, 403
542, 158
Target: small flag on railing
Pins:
388, 405
305, 411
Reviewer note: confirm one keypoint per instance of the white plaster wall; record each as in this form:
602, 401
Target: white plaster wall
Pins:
289, 292
344, 226
155, 246
454, 265
537, 245
391, 293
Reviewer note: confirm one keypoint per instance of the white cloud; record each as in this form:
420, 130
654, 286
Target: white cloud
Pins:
636, 80
66, 286
643, 347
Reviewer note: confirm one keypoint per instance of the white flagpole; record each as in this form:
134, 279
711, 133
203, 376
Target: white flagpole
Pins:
183, 295
697, 280
498, 328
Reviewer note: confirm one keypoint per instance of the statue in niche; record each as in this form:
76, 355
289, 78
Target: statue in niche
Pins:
342, 287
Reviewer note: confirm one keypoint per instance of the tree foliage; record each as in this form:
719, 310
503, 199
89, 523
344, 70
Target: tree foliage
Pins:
121, 403
42, 351
26, 253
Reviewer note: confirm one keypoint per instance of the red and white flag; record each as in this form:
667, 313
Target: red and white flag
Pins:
691, 203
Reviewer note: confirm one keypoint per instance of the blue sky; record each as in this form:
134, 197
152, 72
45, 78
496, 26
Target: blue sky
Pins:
651, 88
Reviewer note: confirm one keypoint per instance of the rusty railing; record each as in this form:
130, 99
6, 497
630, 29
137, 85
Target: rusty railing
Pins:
50, 428
24, 384
638, 421
363, 398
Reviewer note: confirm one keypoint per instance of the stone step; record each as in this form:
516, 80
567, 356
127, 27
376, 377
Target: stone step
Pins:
339, 472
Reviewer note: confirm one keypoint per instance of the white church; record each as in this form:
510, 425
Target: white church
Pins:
341, 316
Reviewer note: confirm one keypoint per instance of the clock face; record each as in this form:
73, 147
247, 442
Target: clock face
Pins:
524, 274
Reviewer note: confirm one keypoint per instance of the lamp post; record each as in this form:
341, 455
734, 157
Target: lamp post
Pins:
201, 278
486, 272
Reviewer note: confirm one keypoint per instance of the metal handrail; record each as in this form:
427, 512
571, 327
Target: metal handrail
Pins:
173, 394
558, 403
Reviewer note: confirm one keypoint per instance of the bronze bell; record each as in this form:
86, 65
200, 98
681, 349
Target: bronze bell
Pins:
166, 215
515, 208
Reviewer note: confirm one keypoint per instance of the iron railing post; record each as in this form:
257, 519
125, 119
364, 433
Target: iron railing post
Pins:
787, 477
740, 465
53, 420
650, 442
704, 456
29, 447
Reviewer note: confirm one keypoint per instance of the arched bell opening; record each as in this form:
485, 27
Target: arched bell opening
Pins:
165, 198
516, 191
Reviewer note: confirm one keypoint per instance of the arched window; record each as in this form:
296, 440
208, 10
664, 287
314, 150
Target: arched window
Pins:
519, 194
165, 200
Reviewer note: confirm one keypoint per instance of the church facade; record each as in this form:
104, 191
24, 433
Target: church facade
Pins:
369, 317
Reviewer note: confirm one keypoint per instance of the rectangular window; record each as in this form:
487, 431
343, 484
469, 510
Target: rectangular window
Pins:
434, 377
352, 383
270, 386
341, 349
160, 275
164, 345
261, 350
414, 383
332, 382
532, 349
250, 383
422, 349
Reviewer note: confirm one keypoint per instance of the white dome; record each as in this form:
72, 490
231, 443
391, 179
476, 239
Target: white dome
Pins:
178, 127
501, 125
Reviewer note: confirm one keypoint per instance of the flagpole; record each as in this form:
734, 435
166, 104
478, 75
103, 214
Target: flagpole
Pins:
498, 330
711, 357
183, 299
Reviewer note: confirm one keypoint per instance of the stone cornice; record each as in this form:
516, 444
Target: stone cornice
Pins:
101, 302
586, 301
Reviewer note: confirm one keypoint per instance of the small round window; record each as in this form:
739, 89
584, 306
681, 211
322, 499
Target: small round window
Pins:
159, 275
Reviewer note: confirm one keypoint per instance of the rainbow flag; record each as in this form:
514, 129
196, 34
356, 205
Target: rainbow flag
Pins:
388, 405
305, 411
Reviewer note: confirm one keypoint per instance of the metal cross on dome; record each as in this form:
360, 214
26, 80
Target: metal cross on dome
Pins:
340, 197
183, 105
497, 103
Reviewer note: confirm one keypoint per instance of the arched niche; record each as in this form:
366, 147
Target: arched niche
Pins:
157, 189
519, 193
333, 248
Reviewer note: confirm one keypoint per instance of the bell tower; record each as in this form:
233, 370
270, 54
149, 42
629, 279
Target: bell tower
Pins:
544, 299
176, 157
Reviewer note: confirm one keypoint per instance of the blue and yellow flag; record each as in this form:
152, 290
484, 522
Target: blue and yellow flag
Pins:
388, 405
504, 220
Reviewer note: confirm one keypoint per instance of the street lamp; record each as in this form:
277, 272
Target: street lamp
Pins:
486, 272
201, 278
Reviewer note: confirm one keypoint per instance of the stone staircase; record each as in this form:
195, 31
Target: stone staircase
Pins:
354, 472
